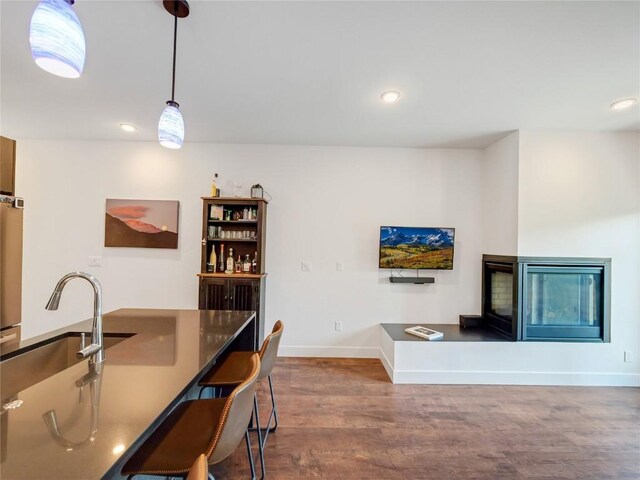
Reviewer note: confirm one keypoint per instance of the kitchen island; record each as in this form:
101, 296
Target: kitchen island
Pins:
83, 423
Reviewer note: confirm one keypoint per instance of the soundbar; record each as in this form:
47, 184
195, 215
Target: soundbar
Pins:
416, 280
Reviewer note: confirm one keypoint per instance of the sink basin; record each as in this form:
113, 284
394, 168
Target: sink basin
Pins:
56, 354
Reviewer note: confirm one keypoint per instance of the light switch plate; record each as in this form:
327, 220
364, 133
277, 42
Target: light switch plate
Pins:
95, 261
339, 266
338, 326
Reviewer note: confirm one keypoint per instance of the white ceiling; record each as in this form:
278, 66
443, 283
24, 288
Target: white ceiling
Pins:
312, 72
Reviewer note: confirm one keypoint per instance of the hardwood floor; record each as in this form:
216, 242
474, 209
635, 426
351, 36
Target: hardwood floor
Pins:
344, 419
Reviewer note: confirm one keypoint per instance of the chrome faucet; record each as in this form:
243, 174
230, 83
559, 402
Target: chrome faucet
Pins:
96, 349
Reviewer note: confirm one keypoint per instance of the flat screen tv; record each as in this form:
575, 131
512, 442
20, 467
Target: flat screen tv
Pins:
428, 248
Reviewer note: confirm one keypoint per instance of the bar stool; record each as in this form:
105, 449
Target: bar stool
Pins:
231, 371
214, 426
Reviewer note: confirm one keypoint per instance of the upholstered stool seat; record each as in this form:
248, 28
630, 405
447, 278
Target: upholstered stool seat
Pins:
170, 450
230, 370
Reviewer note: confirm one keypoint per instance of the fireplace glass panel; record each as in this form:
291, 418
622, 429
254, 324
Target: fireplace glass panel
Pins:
563, 302
501, 302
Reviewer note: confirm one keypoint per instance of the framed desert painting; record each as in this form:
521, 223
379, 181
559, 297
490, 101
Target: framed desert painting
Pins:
141, 223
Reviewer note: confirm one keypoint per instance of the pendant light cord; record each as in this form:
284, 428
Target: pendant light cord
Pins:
175, 37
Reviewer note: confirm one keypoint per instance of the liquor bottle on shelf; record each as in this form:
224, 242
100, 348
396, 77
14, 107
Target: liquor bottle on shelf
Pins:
246, 266
215, 190
254, 264
245, 214
230, 263
213, 259
222, 264
238, 265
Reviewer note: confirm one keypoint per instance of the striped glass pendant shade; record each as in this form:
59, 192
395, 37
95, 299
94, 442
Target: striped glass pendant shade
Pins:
57, 41
171, 126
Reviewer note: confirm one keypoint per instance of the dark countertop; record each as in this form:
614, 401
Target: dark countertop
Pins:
142, 378
453, 332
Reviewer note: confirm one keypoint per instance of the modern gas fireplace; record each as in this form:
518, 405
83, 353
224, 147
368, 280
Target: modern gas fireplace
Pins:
547, 298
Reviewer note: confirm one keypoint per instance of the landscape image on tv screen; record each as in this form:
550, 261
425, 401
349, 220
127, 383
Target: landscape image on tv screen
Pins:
416, 248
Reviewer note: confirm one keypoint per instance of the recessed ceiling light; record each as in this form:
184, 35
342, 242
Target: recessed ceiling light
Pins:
128, 127
623, 104
390, 96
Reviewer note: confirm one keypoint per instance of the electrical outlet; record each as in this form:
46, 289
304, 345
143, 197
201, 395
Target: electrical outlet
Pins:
95, 261
627, 357
338, 326
305, 266
339, 266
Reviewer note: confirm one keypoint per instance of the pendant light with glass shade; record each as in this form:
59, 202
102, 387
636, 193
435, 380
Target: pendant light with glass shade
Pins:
56, 38
171, 124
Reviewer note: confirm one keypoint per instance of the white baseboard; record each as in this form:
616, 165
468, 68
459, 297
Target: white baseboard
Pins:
515, 378
336, 352
386, 363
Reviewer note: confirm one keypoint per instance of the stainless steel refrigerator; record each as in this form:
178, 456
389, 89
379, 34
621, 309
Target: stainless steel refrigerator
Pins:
11, 209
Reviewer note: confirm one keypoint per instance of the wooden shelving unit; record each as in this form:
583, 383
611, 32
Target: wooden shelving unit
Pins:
236, 291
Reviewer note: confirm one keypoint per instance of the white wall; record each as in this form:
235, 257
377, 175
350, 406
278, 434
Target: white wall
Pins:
579, 195
500, 196
328, 204
560, 194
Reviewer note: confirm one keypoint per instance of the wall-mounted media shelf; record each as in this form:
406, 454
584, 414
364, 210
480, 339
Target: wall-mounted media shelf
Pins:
416, 280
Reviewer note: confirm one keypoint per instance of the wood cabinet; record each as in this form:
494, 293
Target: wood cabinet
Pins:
238, 224
235, 292
7, 166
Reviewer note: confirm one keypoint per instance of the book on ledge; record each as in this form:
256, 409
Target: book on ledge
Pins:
425, 333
